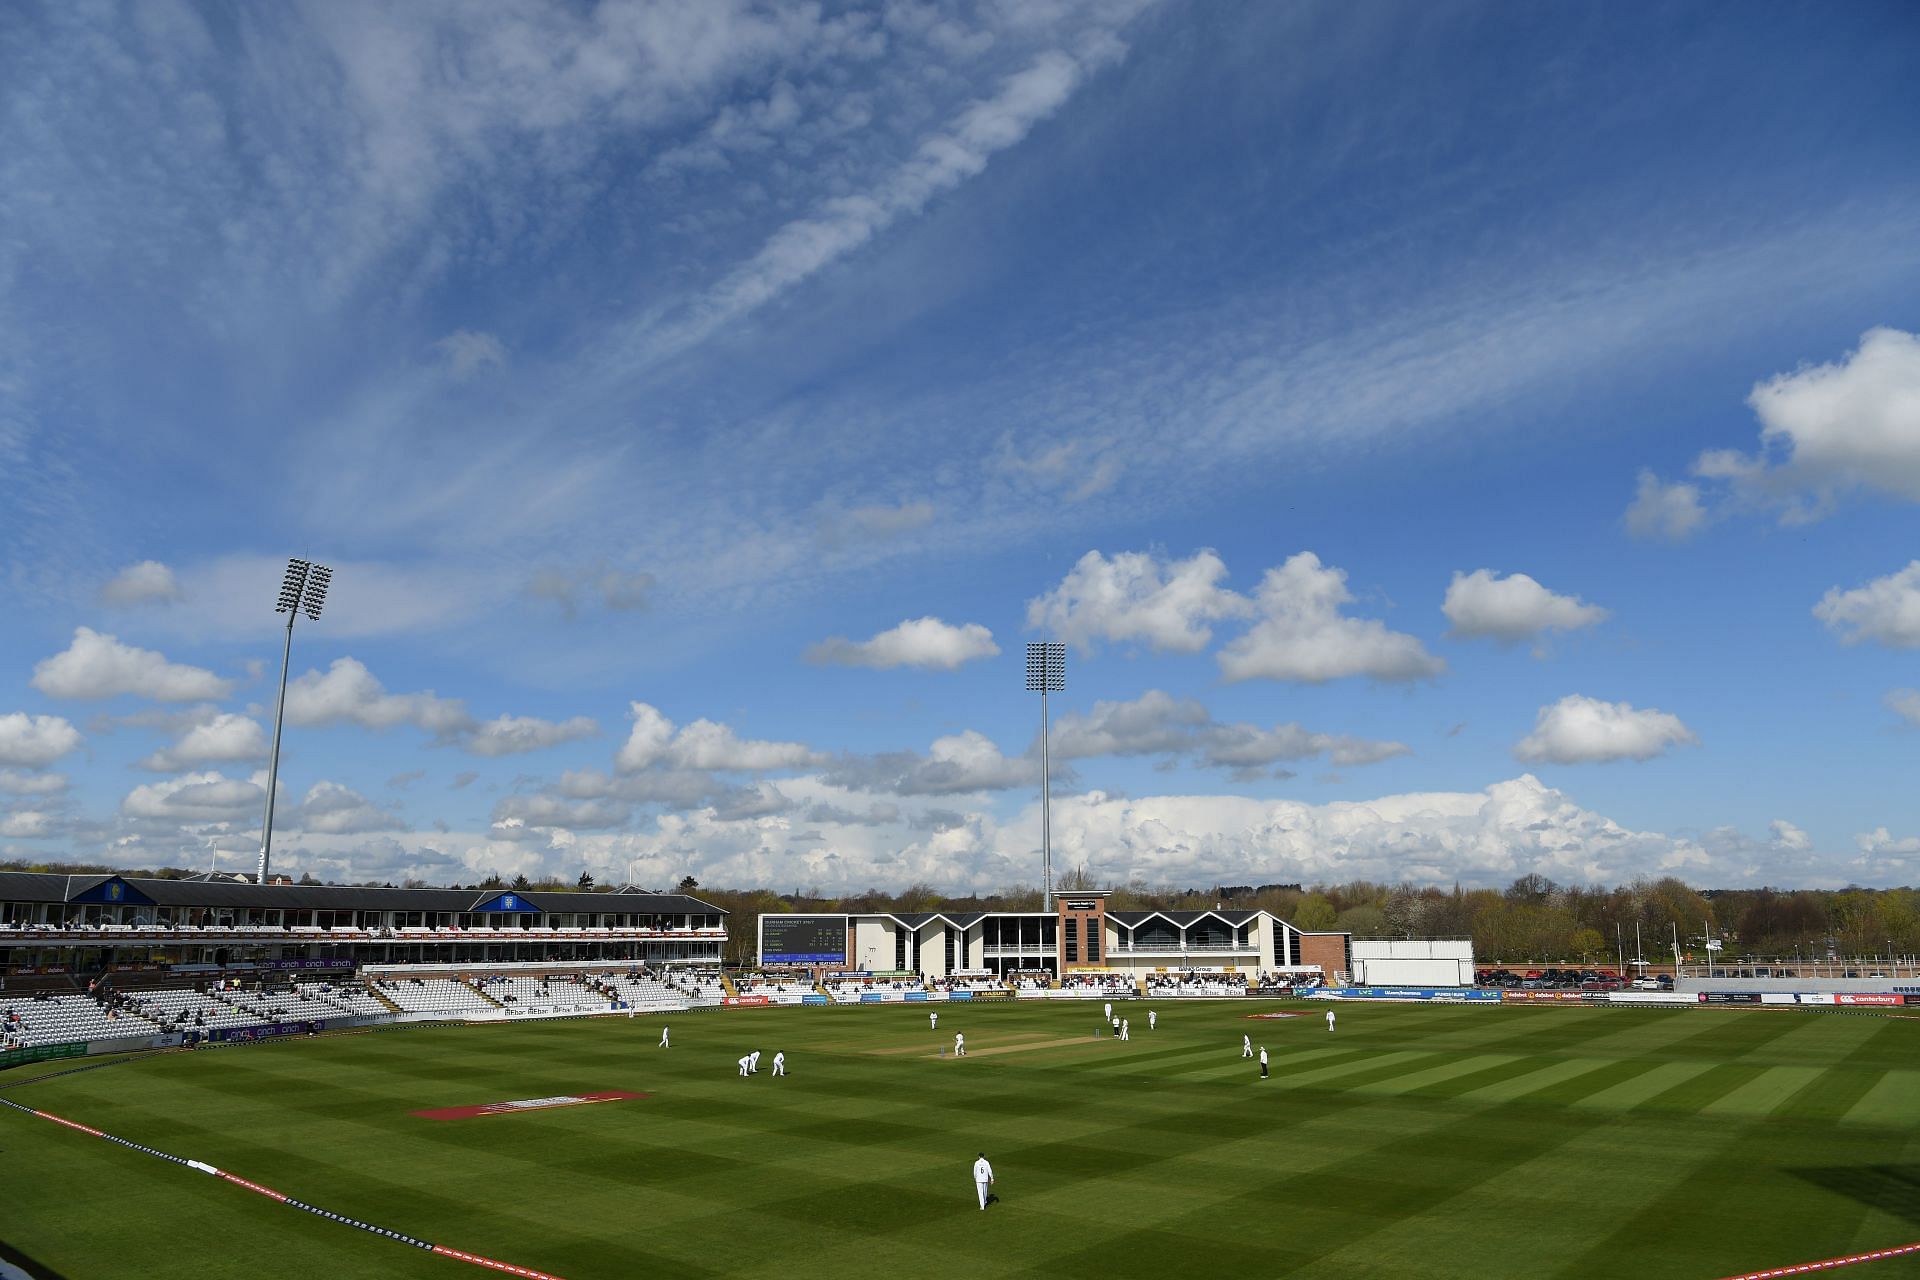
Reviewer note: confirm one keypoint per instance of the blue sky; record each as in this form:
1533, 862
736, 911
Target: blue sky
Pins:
1455, 442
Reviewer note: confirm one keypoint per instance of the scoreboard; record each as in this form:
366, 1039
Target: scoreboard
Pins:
791, 939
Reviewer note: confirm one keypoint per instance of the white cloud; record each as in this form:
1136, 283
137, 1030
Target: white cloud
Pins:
1512, 608
348, 693
1158, 724
197, 797
1905, 703
1881, 842
544, 812
96, 665
1854, 424
224, 738
1669, 512
1886, 609
958, 764
927, 643
467, 352
147, 582
332, 809
1581, 730
1136, 597
704, 746
15, 783
1788, 837
34, 742
26, 824
513, 735
1302, 635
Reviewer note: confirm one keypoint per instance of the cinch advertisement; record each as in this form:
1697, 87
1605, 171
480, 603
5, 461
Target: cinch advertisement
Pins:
803, 939
1447, 995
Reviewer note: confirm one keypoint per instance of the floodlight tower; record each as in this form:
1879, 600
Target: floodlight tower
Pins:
1046, 673
304, 589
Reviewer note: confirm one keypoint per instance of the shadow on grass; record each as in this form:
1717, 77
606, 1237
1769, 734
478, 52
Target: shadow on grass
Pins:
37, 1270
1890, 1188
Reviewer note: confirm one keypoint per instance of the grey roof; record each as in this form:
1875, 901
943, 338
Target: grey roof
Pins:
28, 886
1182, 919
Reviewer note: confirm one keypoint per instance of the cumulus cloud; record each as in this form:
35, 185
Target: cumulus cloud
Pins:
703, 745
1833, 427
15, 783
1303, 636
1582, 730
148, 582
197, 797
223, 738
513, 735
1138, 598
957, 764
1789, 837
97, 665
348, 693
1905, 703
329, 808
1158, 724
1666, 512
927, 643
1512, 608
33, 742
26, 824
1886, 610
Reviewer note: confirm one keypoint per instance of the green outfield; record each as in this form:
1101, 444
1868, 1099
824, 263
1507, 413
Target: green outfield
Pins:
1440, 1141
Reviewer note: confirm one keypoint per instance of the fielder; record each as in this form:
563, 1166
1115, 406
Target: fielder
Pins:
1329, 1019
1152, 1018
1123, 1030
743, 1066
1109, 1009
982, 1179
1246, 1046
663, 1036
960, 1049
753, 1062
933, 1020
780, 1063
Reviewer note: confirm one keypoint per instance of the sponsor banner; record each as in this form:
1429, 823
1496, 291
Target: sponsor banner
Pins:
231, 1035
1444, 995
1541, 997
1654, 997
1778, 997
134, 968
915, 997
1815, 997
1008, 995
1732, 997
324, 962
959, 995
876, 997
1867, 998
527, 1104
814, 997
745, 1000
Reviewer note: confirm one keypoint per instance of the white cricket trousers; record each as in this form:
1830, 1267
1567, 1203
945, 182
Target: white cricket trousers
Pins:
981, 1187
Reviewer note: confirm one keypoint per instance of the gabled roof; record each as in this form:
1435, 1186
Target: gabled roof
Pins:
1184, 919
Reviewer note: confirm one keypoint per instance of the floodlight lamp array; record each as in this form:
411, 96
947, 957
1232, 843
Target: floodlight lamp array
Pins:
1046, 667
315, 597
292, 586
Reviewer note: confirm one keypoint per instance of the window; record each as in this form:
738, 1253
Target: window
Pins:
1093, 942
899, 949
1072, 955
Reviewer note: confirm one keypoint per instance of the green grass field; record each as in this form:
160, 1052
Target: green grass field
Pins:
1433, 1141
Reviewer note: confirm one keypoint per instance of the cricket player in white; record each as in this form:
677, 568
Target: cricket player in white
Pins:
780, 1063
1329, 1019
959, 1044
933, 1020
1246, 1046
663, 1036
753, 1061
1123, 1030
743, 1064
1109, 1010
1263, 1062
982, 1178
1152, 1018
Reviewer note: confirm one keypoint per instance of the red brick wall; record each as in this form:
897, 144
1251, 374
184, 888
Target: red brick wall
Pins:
1328, 950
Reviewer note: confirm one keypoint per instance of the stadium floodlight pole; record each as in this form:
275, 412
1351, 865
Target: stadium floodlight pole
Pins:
304, 589
1046, 673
